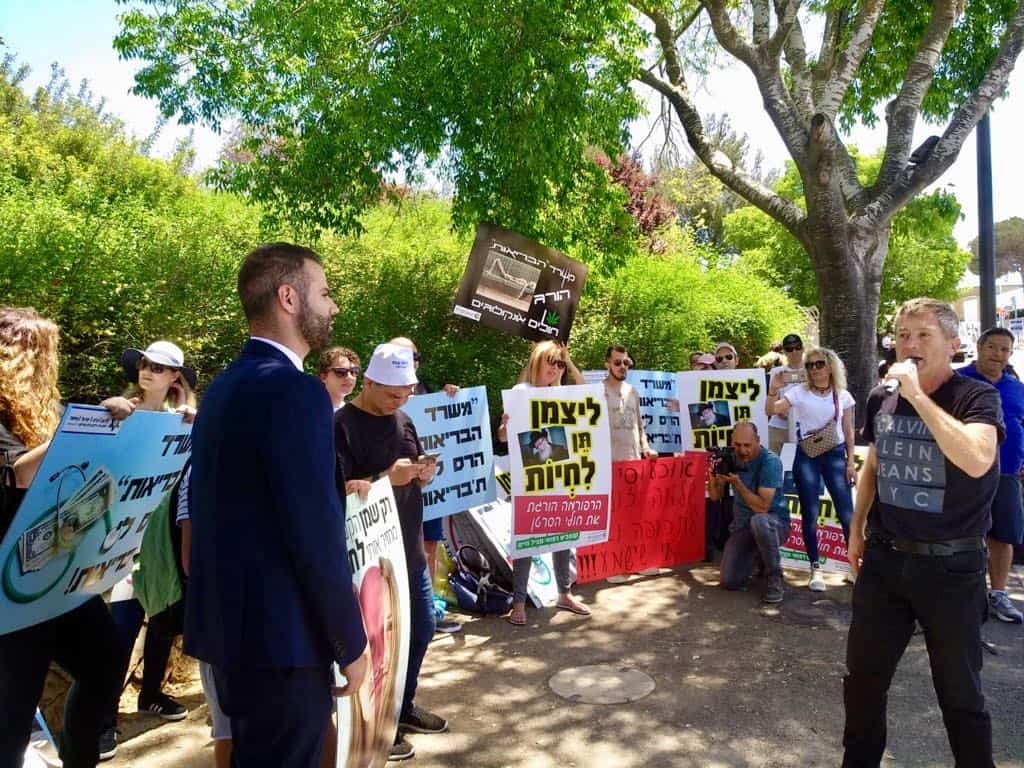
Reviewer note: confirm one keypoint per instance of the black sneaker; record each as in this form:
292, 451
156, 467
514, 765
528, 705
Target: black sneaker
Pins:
401, 749
774, 592
421, 721
108, 744
163, 706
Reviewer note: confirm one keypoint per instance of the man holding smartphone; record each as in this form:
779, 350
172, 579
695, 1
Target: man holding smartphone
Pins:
374, 439
792, 373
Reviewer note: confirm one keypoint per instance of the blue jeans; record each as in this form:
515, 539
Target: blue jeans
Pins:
762, 538
422, 625
807, 475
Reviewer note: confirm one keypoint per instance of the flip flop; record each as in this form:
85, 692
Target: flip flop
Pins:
577, 608
514, 620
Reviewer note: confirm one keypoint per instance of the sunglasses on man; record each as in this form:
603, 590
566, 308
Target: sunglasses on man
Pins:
723, 358
621, 363
343, 372
787, 350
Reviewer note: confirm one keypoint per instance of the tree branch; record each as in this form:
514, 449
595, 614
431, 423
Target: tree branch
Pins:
786, 10
689, 21
902, 116
912, 179
834, 22
837, 80
761, 25
727, 34
796, 56
718, 163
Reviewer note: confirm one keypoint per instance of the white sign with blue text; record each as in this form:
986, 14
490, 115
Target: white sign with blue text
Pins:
456, 431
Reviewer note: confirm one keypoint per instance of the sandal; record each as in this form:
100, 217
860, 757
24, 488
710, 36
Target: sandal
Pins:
517, 618
573, 606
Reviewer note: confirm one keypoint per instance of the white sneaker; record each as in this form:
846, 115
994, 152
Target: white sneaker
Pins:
817, 582
617, 579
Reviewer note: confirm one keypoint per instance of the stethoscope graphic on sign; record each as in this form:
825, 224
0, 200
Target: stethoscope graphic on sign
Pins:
57, 532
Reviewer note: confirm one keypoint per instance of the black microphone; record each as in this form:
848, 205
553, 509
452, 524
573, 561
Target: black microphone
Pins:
893, 385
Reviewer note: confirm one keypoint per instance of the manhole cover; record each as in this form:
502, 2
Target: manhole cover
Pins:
601, 684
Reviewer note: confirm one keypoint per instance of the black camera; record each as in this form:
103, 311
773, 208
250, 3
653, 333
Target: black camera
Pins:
723, 460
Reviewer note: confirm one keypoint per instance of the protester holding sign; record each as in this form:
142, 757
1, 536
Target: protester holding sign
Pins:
822, 410
159, 380
375, 439
83, 641
549, 366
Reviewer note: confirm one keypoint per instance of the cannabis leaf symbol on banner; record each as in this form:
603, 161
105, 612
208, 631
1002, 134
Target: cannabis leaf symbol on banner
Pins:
551, 318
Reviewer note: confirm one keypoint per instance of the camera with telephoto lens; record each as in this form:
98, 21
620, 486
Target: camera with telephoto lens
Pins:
723, 460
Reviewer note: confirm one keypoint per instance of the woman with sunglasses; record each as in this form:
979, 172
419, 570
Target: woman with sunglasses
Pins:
821, 403
82, 641
339, 370
549, 366
159, 380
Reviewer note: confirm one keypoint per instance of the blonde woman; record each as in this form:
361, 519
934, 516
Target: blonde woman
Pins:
82, 640
821, 403
549, 366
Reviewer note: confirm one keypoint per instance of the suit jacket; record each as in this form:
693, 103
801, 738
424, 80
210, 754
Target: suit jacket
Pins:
270, 584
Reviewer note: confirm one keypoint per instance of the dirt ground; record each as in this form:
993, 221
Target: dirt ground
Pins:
737, 684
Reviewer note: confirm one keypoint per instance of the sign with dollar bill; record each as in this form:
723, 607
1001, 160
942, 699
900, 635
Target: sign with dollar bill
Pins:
80, 525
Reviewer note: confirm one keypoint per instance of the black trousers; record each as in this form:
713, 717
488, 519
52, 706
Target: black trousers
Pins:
946, 595
128, 617
278, 716
83, 642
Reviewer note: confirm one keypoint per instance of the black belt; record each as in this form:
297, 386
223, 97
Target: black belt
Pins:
933, 548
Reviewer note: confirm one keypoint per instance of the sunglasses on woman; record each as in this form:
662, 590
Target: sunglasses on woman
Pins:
156, 368
815, 365
557, 362
341, 373
722, 358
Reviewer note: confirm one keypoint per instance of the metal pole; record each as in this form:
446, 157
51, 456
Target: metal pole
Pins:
986, 228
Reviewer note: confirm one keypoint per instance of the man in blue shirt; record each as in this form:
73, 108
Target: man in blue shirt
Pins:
995, 346
760, 522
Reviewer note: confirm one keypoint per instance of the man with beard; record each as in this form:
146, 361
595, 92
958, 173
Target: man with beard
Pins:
629, 441
376, 439
270, 601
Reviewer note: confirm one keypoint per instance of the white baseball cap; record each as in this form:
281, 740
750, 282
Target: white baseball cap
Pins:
392, 365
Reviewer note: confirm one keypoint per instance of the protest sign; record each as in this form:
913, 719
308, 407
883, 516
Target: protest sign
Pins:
659, 408
81, 523
711, 402
659, 517
560, 456
519, 286
368, 717
831, 544
457, 431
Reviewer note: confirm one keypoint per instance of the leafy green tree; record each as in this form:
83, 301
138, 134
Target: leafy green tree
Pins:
1009, 247
923, 260
505, 96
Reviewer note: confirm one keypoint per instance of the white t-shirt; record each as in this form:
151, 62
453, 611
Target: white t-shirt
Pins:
776, 420
812, 411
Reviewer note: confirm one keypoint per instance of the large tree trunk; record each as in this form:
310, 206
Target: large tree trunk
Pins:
849, 277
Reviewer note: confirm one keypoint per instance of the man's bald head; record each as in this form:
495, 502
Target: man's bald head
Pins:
745, 441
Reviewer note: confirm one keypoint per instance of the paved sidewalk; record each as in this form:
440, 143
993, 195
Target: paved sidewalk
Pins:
737, 684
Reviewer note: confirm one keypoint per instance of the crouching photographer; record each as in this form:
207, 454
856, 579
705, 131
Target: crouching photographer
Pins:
760, 521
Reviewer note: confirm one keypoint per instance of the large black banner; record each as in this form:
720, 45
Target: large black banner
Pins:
519, 286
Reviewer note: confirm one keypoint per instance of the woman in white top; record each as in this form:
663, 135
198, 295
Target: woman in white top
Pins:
549, 366
823, 402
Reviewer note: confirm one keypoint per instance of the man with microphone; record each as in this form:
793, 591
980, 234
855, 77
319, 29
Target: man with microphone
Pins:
917, 539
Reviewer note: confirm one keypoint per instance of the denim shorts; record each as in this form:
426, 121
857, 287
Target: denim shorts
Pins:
433, 530
1008, 512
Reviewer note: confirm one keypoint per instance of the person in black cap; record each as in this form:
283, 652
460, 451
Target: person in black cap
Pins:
542, 449
792, 373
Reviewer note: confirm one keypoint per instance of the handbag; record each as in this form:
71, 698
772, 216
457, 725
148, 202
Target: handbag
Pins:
824, 439
472, 585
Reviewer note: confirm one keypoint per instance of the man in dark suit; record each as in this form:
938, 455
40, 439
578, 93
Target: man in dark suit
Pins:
270, 602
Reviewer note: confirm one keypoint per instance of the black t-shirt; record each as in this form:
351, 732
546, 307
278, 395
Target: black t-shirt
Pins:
367, 445
920, 494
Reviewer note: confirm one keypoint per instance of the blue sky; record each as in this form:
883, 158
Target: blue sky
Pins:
78, 35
